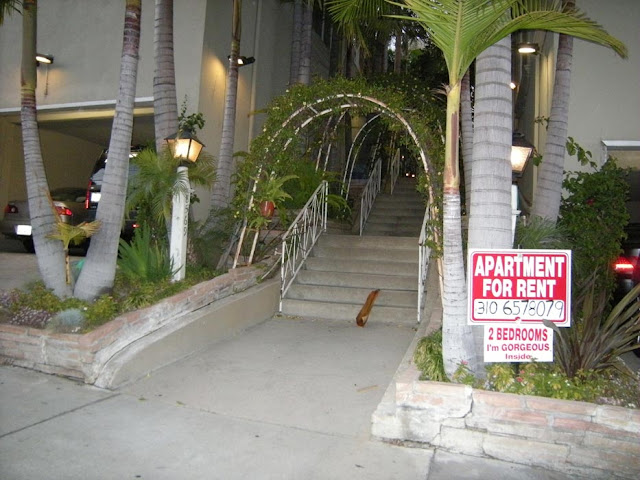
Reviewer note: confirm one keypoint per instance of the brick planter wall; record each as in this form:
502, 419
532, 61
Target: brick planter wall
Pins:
572, 437
82, 356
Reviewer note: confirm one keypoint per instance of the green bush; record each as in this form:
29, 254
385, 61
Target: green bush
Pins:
146, 258
428, 358
594, 215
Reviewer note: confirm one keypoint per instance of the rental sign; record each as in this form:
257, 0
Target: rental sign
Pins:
519, 287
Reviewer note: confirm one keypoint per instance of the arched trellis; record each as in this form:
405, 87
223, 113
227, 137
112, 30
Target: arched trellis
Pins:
334, 106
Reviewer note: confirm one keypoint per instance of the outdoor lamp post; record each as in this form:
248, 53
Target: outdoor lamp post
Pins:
186, 147
521, 151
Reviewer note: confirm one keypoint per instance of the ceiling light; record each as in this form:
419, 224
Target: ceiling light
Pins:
44, 58
528, 48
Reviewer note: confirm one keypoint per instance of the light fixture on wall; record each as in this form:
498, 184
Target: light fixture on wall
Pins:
44, 58
242, 60
521, 152
528, 48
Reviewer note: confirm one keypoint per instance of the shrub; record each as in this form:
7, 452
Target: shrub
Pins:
145, 258
594, 216
428, 358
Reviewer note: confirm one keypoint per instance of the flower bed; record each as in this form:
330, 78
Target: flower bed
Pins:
577, 438
84, 356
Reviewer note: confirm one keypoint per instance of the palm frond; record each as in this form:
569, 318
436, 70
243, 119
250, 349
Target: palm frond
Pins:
74, 234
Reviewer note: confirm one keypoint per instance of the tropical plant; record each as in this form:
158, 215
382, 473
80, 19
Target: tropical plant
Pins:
151, 189
463, 29
540, 233
595, 340
146, 258
68, 233
99, 270
7, 7
428, 358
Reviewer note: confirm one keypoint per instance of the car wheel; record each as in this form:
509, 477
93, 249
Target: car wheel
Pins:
28, 245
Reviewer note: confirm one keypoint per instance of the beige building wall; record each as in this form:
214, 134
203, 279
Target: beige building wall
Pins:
76, 95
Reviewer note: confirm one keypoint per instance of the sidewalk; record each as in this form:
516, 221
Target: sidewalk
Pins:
288, 399
291, 398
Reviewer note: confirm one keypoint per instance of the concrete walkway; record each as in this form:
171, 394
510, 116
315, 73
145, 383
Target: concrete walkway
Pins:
288, 399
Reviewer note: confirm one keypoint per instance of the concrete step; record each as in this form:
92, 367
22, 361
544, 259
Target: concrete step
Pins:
330, 294
355, 242
348, 312
400, 200
360, 280
398, 217
392, 230
356, 266
367, 254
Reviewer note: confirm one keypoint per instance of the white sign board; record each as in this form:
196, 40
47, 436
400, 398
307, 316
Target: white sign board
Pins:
518, 343
519, 287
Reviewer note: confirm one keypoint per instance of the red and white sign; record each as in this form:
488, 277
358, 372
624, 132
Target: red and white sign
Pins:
519, 287
518, 343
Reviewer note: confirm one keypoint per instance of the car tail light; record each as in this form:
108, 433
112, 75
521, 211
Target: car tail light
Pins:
10, 208
87, 198
63, 211
623, 265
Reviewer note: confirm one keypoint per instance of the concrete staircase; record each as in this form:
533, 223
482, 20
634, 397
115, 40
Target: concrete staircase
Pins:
343, 269
398, 215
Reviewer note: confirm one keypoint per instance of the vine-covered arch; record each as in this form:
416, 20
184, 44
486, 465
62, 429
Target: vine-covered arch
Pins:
305, 120
402, 104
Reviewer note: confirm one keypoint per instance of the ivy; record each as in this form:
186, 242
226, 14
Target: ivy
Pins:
305, 119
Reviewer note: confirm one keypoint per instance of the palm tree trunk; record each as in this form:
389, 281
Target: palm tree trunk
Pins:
457, 341
222, 186
466, 123
397, 58
294, 73
165, 105
490, 218
304, 76
49, 252
99, 270
546, 201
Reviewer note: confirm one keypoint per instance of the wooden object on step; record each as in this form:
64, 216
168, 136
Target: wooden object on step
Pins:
363, 315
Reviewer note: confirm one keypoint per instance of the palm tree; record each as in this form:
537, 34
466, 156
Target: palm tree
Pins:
466, 136
463, 29
156, 181
99, 270
49, 253
165, 104
7, 7
222, 186
490, 208
546, 200
306, 31
296, 36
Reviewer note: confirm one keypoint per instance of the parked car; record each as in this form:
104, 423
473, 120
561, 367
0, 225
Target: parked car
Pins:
68, 202
627, 266
93, 192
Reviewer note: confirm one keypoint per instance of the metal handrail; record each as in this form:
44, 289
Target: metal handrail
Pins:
424, 254
301, 236
369, 193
